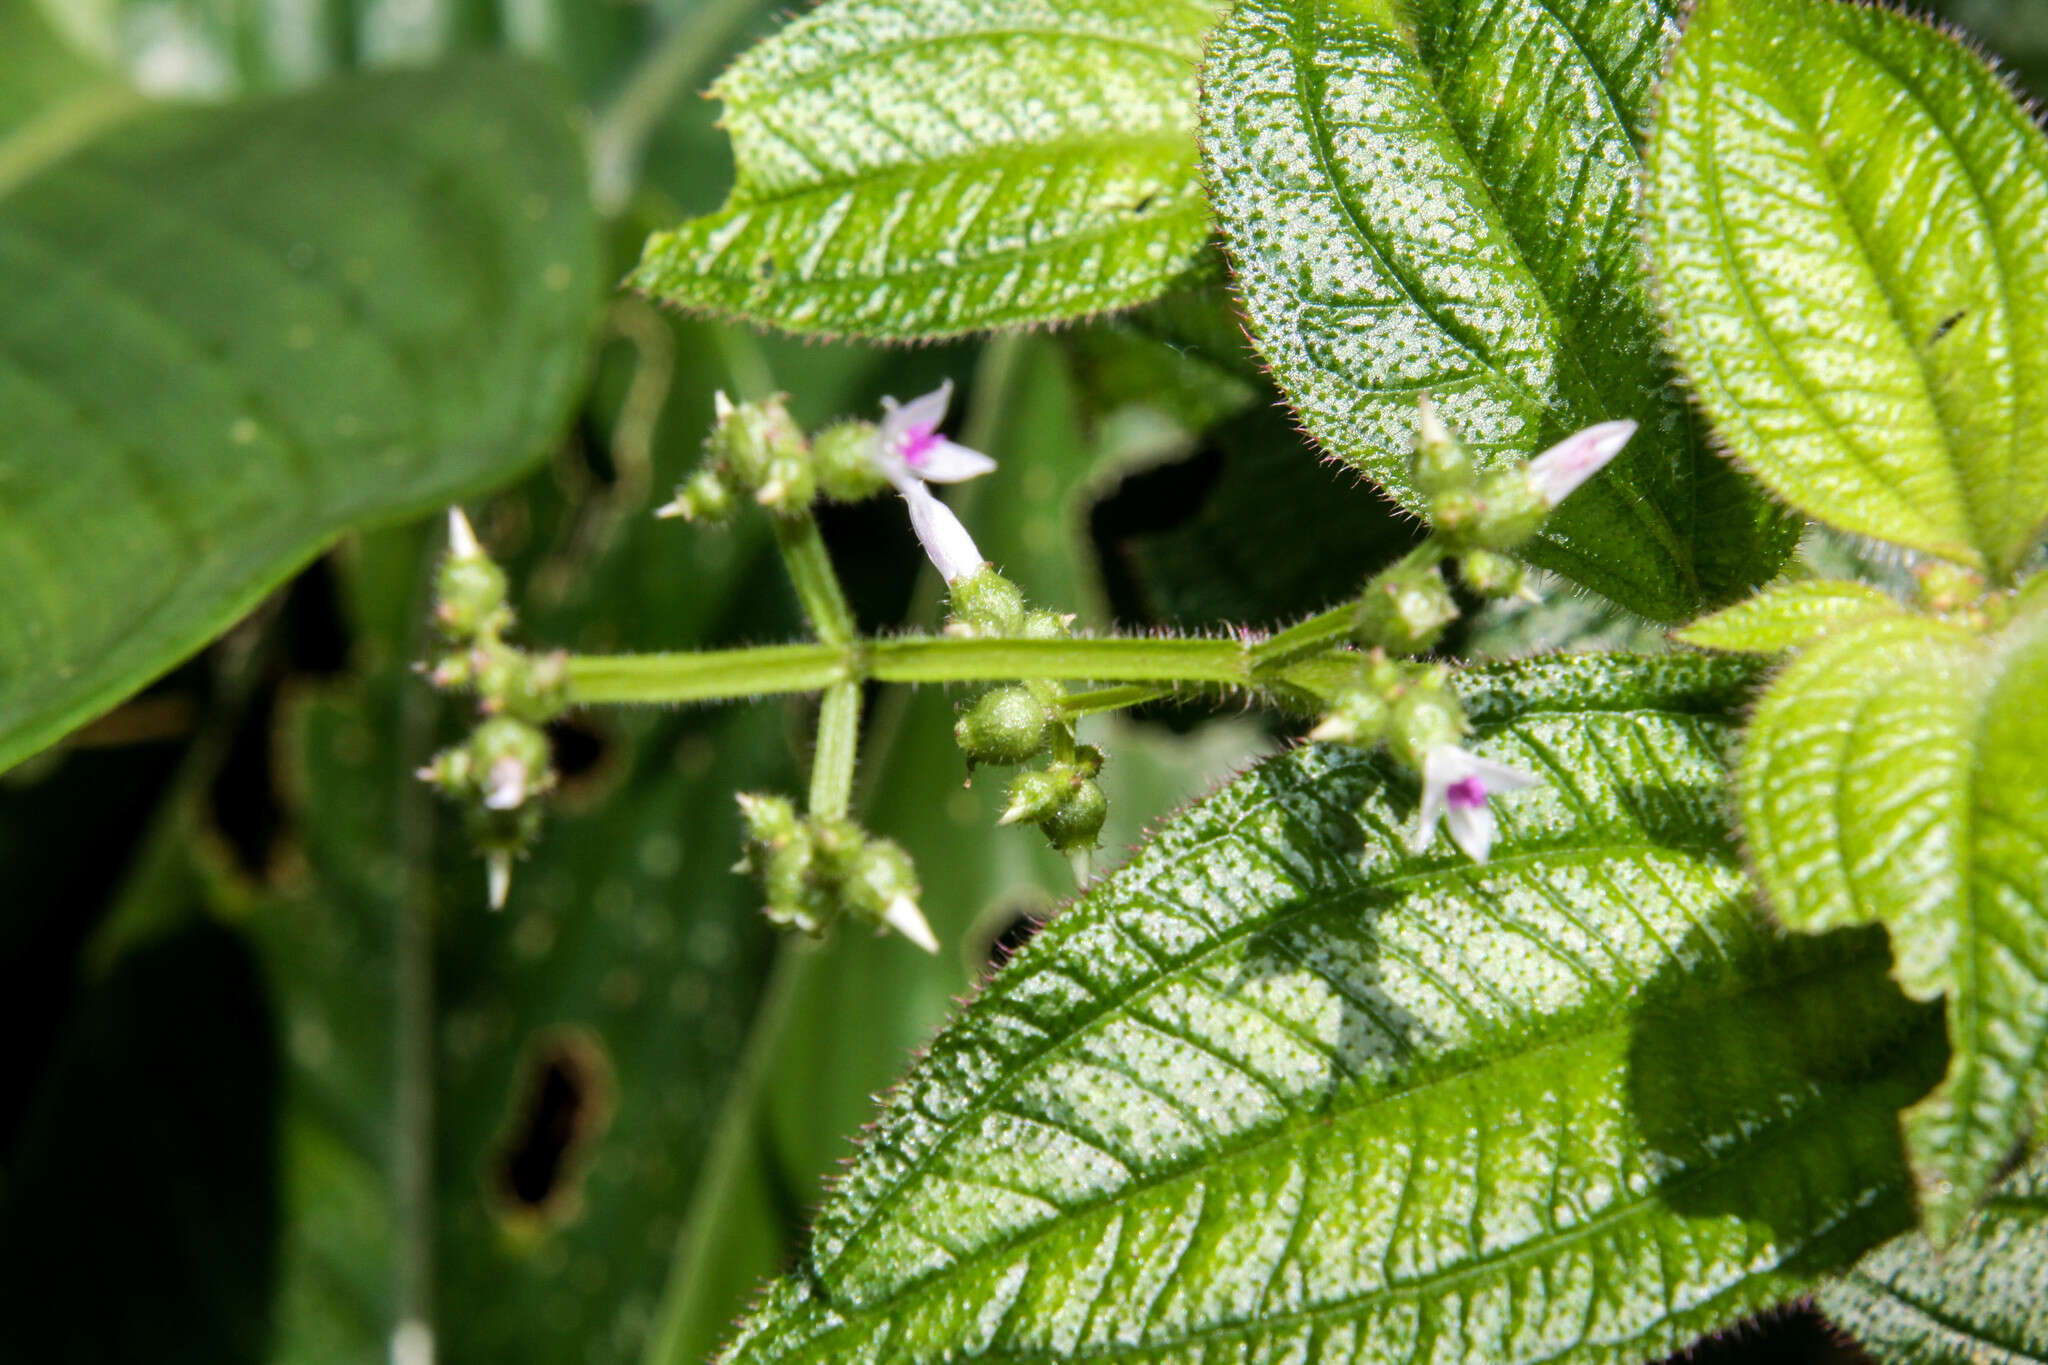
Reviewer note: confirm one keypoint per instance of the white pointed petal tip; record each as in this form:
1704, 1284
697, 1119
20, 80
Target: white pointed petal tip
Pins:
1332, 729
462, 541
1557, 473
675, 508
412, 1343
927, 410
947, 462
906, 919
506, 786
721, 406
498, 875
1473, 828
1429, 427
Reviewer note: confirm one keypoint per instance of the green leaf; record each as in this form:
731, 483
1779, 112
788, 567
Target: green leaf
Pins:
1788, 616
1855, 269
1978, 1299
911, 171
1897, 772
1442, 197
1282, 1089
231, 334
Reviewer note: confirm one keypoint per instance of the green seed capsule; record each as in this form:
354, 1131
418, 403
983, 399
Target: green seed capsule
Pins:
1076, 823
1006, 725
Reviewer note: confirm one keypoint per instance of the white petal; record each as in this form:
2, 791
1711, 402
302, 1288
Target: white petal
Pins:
1426, 819
498, 876
945, 462
1499, 777
505, 785
1474, 829
1558, 471
462, 541
940, 532
926, 410
1429, 428
906, 919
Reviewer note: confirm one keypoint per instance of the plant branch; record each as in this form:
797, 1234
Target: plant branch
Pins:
838, 748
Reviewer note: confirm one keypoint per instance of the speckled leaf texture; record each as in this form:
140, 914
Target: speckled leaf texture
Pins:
1981, 1299
923, 168
1443, 197
229, 334
1281, 1090
1898, 772
1852, 234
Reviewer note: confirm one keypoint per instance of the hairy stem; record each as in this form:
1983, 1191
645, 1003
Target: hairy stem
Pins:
838, 747
812, 575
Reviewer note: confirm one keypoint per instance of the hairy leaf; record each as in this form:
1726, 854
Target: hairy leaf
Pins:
1983, 1298
919, 170
1788, 616
1855, 269
1282, 1089
231, 334
1898, 772
1442, 198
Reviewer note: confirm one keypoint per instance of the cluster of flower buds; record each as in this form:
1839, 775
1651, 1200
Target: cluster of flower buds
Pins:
1410, 708
816, 868
1484, 516
1020, 722
755, 451
504, 767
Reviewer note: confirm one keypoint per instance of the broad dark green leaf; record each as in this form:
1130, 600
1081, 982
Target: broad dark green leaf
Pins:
1442, 197
1852, 237
1281, 1089
920, 170
1897, 772
230, 334
1983, 1298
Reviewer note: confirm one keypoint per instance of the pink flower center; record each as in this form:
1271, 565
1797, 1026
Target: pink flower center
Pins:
1467, 793
917, 445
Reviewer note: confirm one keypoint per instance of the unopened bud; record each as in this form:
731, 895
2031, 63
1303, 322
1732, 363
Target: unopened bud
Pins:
1004, 725
469, 590
843, 456
986, 603
528, 687
1491, 573
703, 497
1076, 822
1048, 625
1442, 464
1428, 714
1405, 610
1511, 511
1360, 716
508, 763
757, 443
1033, 796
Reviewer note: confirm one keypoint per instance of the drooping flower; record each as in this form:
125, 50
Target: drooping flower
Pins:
1455, 788
1558, 471
909, 453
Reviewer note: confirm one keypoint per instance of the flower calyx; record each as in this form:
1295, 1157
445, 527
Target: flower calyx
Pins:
1063, 799
1505, 508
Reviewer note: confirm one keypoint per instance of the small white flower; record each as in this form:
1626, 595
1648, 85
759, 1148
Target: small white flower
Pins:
506, 785
1455, 788
910, 453
1558, 471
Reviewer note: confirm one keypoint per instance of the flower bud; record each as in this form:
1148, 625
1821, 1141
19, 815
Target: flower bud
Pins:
796, 898
1405, 610
1048, 625
767, 822
1075, 823
986, 603
508, 763
751, 440
1359, 716
1491, 573
1427, 714
469, 591
703, 497
1441, 464
1033, 796
790, 486
1511, 511
881, 887
1003, 725
843, 456
449, 772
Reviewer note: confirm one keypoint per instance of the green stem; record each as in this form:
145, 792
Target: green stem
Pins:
1326, 628
1097, 700
811, 574
838, 747
710, 675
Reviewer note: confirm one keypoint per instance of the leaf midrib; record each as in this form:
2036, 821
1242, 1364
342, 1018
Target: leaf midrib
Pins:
1220, 943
